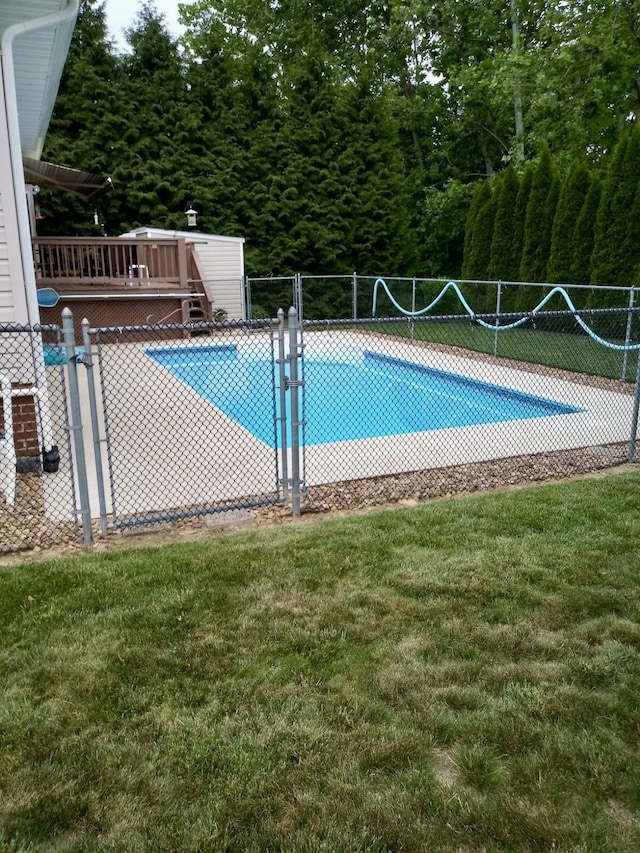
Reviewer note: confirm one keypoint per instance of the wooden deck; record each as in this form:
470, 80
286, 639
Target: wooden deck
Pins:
113, 264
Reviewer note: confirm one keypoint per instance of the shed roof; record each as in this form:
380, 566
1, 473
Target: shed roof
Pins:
190, 236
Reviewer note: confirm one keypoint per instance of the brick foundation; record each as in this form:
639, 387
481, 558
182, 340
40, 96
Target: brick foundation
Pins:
25, 432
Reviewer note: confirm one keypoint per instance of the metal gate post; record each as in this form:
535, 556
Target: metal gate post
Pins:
282, 384
76, 425
87, 360
627, 337
495, 334
634, 417
293, 384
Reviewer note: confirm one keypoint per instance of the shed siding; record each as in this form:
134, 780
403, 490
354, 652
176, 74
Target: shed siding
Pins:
222, 264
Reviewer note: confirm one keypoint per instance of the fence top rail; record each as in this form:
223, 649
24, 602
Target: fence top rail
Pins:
430, 318
272, 278
179, 327
37, 329
344, 276
445, 280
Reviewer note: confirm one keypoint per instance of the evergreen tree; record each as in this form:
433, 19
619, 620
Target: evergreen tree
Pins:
518, 300
147, 179
480, 249
230, 123
481, 195
88, 124
539, 220
584, 235
441, 229
519, 216
503, 263
629, 273
573, 192
611, 263
373, 197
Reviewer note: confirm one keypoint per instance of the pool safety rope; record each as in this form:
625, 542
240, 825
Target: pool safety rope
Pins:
451, 285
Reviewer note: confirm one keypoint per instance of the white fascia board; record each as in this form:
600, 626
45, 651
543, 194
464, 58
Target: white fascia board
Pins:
189, 236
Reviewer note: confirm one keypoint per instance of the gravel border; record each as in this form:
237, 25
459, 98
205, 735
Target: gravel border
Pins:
27, 532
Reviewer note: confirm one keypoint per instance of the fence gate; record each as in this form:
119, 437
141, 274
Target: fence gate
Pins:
186, 419
38, 463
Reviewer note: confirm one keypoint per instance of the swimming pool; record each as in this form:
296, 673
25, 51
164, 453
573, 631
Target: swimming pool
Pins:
367, 395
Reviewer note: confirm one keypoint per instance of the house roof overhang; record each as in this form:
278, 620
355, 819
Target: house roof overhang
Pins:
34, 37
86, 185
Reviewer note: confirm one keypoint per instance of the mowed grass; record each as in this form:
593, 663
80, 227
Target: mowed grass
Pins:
577, 352
461, 676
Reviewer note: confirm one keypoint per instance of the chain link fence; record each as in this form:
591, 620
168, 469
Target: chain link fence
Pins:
390, 396
116, 427
188, 418
353, 296
38, 507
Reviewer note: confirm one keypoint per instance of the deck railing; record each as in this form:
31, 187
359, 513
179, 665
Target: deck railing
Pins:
111, 262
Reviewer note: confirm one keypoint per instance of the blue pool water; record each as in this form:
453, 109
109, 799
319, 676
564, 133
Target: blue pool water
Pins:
371, 395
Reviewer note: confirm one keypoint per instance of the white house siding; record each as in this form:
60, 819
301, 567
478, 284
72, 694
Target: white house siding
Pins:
16, 356
222, 264
6, 295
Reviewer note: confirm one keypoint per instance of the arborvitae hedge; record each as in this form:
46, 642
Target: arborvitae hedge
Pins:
610, 228
480, 249
519, 215
584, 235
539, 220
481, 195
573, 192
630, 275
503, 263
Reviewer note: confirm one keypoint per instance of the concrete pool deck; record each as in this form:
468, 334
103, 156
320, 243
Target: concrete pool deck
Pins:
172, 450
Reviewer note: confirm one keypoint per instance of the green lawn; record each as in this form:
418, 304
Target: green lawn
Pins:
568, 351
462, 676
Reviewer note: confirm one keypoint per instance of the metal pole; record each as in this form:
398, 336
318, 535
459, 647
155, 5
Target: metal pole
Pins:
634, 417
413, 308
297, 294
87, 360
293, 385
627, 337
495, 334
76, 425
283, 406
246, 294
354, 297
